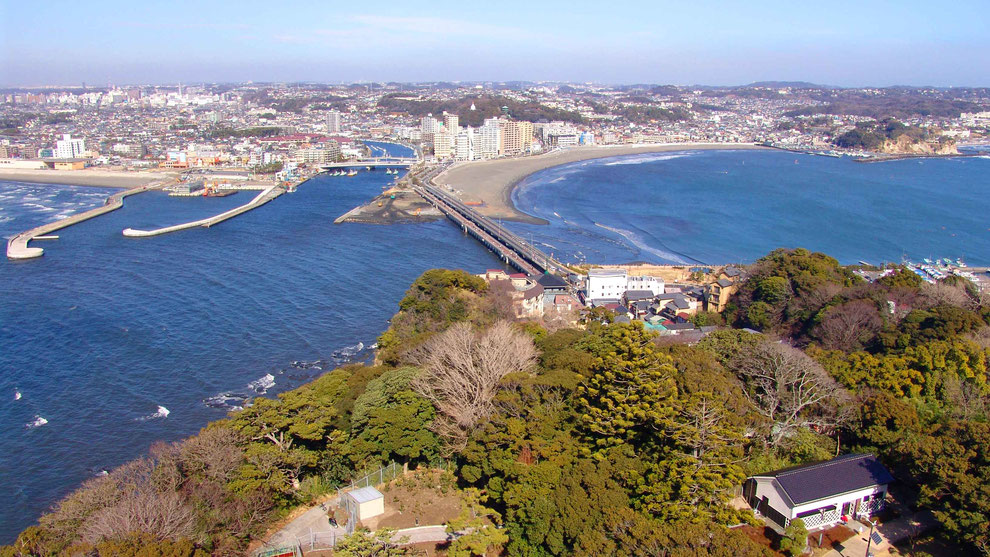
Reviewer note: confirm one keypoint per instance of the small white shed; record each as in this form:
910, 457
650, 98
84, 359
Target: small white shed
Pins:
364, 503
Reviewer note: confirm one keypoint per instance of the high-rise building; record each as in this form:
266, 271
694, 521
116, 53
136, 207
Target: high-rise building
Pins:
451, 123
443, 144
429, 125
488, 139
68, 148
465, 150
333, 122
517, 137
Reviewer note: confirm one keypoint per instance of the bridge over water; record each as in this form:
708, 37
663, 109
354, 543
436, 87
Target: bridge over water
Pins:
387, 162
507, 245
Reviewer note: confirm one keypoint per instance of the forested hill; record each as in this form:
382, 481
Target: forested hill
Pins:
485, 106
602, 440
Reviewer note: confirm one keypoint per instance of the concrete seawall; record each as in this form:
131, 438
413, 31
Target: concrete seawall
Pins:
269, 193
17, 247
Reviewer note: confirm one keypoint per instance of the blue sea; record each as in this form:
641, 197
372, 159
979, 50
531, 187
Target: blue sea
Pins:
119, 342
735, 206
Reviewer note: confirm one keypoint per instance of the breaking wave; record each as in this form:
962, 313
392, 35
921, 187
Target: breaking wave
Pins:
637, 241
160, 413
643, 159
37, 422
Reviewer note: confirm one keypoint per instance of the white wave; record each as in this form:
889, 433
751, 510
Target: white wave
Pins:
38, 422
348, 351
162, 413
224, 400
17, 394
637, 240
642, 159
102, 473
262, 385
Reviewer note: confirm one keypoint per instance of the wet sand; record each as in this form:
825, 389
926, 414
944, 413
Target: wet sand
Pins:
93, 178
491, 182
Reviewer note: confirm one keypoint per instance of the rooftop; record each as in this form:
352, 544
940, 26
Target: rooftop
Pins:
365, 494
842, 474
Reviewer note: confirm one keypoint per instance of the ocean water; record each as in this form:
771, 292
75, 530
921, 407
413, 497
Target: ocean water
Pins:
108, 344
735, 206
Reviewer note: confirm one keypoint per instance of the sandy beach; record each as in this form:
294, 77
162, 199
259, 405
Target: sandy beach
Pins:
94, 178
491, 182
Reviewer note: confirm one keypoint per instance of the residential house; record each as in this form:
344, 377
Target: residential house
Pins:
725, 285
820, 494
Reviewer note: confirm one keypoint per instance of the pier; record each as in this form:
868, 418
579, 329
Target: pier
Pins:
269, 193
505, 244
17, 247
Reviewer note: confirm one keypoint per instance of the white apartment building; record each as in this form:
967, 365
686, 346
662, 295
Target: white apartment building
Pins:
488, 138
68, 148
464, 150
606, 285
429, 125
653, 284
611, 284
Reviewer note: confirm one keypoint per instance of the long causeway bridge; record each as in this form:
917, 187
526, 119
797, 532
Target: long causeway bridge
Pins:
508, 246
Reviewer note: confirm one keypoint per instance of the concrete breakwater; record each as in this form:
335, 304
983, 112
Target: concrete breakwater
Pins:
17, 247
269, 193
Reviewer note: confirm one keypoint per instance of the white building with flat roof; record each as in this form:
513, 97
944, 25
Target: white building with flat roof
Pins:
606, 285
69, 148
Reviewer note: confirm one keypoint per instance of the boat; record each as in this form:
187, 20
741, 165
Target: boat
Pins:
352, 173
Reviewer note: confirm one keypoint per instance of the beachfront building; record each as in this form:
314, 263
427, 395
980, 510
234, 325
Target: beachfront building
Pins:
655, 285
464, 150
606, 286
488, 139
429, 125
443, 144
823, 494
69, 148
517, 137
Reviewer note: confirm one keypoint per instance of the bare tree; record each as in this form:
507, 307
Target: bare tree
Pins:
848, 326
949, 294
162, 515
462, 371
789, 389
214, 453
499, 295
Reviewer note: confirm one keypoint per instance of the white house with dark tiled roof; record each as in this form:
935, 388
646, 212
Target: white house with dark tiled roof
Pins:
820, 494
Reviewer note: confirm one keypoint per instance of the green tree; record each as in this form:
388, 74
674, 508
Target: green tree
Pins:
629, 396
363, 543
795, 538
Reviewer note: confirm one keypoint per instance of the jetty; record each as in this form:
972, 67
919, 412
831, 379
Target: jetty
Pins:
266, 195
17, 247
505, 244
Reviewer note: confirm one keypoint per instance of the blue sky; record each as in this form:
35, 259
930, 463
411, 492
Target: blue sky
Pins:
715, 42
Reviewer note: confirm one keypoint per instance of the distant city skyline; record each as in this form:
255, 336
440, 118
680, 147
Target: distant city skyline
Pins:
851, 44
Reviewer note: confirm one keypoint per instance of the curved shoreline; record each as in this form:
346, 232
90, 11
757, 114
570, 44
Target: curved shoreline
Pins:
492, 182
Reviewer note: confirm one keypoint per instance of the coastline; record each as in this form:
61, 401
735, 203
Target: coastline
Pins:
492, 182
87, 178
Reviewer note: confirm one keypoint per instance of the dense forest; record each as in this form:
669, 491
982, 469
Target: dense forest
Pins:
601, 440
485, 106
871, 135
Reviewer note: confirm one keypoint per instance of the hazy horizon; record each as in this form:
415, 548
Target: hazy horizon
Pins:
844, 44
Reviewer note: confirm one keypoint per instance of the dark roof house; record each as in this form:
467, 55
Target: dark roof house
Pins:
821, 494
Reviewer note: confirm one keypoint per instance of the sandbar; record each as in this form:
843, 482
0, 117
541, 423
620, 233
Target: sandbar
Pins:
93, 178
491, 182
